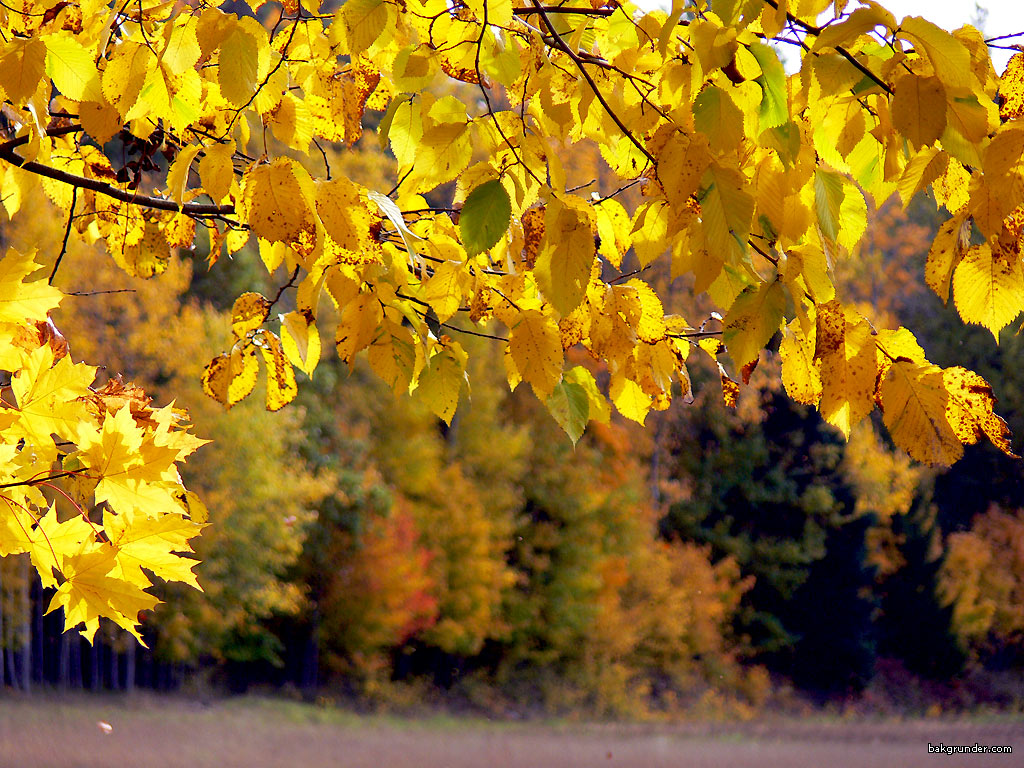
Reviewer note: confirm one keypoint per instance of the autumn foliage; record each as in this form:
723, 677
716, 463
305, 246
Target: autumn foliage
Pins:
153, 126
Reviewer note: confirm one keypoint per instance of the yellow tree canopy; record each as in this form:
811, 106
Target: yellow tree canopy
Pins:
147, 120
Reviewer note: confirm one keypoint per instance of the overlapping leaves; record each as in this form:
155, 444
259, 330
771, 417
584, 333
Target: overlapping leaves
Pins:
754, 181
108, 457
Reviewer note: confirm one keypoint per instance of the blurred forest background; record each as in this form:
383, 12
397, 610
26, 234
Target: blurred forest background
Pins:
712, 561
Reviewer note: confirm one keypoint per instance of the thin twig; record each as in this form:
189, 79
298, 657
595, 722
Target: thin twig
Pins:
40, 480
327, 163
100, 293
67, 234
813, 30
590, 81
1004, 37
565, 9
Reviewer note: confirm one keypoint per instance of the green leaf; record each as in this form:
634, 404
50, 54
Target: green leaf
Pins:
774, 106
828, 199
570, 407
727, 209
752, 320
485, 217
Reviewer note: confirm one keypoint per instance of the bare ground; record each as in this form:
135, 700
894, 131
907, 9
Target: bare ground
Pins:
153, 732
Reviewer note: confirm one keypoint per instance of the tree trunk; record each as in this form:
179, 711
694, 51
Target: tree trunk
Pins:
3, 643
113, 673
76, 660
26, 627
38, 661
129, 667
64, 662
311, 659
94, 663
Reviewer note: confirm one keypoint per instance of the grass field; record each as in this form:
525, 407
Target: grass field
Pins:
150, 732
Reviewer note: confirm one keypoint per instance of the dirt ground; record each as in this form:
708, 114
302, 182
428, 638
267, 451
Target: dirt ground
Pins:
147, 732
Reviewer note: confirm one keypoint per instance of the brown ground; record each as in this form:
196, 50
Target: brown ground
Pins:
46, 732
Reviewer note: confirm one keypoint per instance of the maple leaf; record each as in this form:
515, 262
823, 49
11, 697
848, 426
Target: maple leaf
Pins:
47, 395
132, 471
90, 593
20, 300
153, 543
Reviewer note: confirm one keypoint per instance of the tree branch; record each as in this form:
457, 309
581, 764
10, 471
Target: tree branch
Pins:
8, 154
564, 9
67, 234
813, 30
562, 46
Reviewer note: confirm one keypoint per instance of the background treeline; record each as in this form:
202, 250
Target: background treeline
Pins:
355, 541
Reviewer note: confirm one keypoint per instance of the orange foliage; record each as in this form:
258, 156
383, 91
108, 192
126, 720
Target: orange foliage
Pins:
983, 577
381, 593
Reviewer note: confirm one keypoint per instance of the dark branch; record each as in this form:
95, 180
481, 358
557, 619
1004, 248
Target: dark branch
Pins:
67, 234
8, 154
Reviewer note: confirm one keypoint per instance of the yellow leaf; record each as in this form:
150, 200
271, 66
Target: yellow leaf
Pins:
613, 227
1011, 89
47, 396
600, 411
177, 174
281, 387
363, 22
274, 205
153, 543
629, 398
182, 51
358, 326
231, 378
301, 341
566, 255
89, 593
148, 256
919, 108
856, 24
248, 313
445, 150
948, 56
51, 538
238, 67
924, 168
342, 209
216, 170
681, 165
945, 253
799, 374
914, 402
847, 374
444, 290
292, 123
969, 410
442, 380
133, 473
716, 116
71, 66
125, 75
395, 357
649, 231
21, 300
537, 351
730, 389
988, 288
22, 64
650, 326
726, 210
